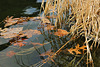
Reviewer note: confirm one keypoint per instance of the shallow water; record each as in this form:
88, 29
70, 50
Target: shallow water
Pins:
29, 55
20, 8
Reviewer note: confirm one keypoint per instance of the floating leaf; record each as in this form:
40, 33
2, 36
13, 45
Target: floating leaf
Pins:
12, 21
77, 48
10, 53
20, 44
29, 33
10, 32
49, 27
61, 32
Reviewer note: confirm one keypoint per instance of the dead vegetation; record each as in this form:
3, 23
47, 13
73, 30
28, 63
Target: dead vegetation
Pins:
82, 17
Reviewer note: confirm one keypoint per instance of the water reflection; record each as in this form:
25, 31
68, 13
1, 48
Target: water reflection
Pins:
30, 10
15, 8
29, 55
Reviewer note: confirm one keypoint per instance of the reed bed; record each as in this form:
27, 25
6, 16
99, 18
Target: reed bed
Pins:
81, 16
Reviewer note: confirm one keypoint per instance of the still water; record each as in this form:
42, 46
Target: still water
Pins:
20, 8
29, 55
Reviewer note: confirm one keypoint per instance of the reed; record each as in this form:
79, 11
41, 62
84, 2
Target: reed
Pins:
82, 16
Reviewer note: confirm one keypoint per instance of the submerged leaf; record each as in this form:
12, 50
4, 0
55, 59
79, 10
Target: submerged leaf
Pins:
10, 53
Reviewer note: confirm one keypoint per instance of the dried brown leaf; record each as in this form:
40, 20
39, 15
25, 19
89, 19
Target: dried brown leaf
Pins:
20, 44
77, 48
11, 21
49, 27
61, 32
29, 33
10, 32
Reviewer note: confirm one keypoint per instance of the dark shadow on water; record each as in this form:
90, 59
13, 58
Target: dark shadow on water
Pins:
15, 8
4, 46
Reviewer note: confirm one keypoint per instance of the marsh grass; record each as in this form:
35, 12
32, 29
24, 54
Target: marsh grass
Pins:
81, 16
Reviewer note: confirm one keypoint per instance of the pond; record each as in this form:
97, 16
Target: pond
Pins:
31, 50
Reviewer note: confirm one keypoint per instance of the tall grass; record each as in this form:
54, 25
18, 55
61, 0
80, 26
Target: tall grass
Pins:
82, 16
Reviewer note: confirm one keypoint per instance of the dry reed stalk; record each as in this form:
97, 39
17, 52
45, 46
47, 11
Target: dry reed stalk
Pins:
85, 12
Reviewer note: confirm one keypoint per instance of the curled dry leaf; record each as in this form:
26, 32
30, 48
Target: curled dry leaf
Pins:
29, 33
10, 32
10, 53
61, 32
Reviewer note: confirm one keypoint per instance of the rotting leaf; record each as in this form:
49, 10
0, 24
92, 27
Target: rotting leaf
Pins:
61, 32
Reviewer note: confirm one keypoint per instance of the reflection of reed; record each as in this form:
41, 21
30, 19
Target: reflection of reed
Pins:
4, 46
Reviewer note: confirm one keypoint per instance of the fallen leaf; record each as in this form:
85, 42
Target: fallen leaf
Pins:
10, 32
61, 33
10, 21
29, 33
76, 49
49, 27
20, 44
10, 53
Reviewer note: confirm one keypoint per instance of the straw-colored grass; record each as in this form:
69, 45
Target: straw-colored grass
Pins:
82, 15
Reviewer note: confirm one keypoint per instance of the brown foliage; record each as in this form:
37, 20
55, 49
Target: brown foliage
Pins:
77, 48
61, 33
